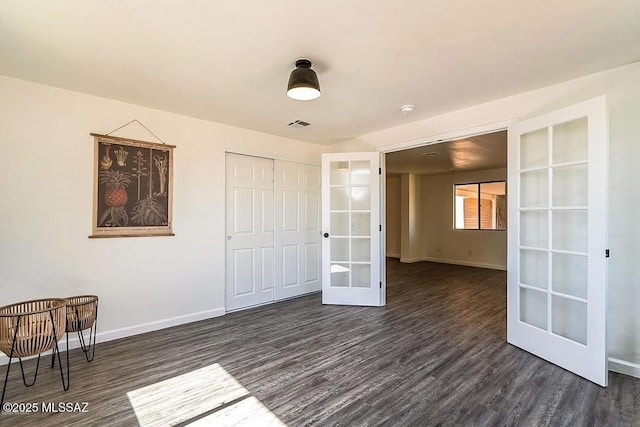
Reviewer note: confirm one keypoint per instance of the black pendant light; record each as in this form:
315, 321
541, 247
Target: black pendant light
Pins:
303, 82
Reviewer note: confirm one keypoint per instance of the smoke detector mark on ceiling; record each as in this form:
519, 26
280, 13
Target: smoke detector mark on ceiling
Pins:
299, 124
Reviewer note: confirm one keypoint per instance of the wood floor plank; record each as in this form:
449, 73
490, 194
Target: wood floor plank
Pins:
435, 355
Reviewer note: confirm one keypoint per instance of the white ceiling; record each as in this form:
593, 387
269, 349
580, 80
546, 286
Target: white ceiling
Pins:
480, 152
228, 61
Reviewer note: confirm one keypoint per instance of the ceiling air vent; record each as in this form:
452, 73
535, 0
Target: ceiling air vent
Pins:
299, 124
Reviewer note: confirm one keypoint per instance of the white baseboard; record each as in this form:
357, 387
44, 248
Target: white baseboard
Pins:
136, 329
624, 367
390, 255
456, 262
410, 260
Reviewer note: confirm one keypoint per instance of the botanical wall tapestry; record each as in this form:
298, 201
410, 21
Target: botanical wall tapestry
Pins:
133, 186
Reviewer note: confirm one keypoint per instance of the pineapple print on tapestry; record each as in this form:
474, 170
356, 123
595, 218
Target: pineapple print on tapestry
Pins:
133, 187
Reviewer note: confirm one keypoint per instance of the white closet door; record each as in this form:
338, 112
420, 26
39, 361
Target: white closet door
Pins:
297, 225
249, 225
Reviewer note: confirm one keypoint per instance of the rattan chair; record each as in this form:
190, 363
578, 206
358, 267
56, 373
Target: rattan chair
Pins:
82, 314
31, 328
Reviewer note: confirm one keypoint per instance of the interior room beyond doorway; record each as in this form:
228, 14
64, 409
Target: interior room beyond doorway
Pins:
446, 202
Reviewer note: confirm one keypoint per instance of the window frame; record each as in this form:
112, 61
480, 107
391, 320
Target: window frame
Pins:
478, 184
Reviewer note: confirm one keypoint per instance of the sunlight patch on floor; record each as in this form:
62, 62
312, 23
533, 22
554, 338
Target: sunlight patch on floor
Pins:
247, 412
201, 396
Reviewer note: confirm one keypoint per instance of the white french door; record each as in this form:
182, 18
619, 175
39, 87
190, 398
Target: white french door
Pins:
249, 226
556, 295
297, 225
351, 249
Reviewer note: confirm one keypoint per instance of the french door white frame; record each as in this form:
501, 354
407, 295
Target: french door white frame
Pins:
588, 359
372, 295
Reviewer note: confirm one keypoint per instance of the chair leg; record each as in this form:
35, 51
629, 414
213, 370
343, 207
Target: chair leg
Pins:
35, 377
6, 377
90, 345
94, 332
53, 357
65, 385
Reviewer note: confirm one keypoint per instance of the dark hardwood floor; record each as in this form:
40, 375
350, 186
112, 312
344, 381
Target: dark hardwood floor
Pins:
435, 355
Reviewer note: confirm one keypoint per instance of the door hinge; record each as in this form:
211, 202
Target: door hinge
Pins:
606, 253
380, 285
379, 171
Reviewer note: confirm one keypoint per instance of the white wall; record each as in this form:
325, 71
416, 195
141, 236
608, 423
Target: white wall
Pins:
439, 241
420, 222
46, 172
622, 89
393, 216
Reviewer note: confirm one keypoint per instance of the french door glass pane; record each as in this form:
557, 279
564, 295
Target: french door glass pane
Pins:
569, 274
570, 185
339, 198
570, 230
361, 250
533, 307
570, 141
360, 224
339, 249
340, 275
360, 172
339, 172
533, 268
569, 319
361, 275
534, 229
534, 189
360, 198
339, 223
534, 148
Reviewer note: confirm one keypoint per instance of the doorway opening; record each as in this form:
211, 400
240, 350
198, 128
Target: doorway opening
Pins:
446, 202
446, 240
446, 222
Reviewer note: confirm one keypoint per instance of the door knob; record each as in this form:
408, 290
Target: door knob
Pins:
326, 235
